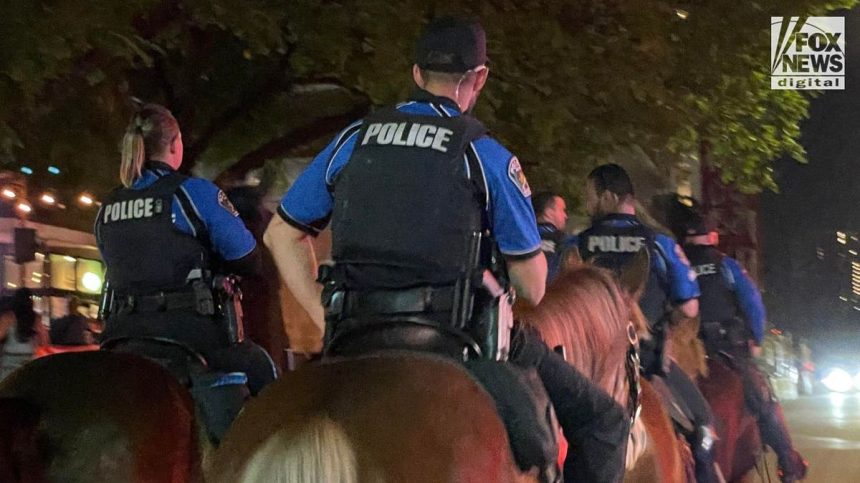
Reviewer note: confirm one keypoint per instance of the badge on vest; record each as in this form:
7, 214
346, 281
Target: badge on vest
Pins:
516, 174
408, 134
132, 210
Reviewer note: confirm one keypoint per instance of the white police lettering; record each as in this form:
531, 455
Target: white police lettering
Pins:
419, 135
615, 244
707, 269
130, 210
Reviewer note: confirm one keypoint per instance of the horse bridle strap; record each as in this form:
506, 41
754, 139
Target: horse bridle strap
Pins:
634, 398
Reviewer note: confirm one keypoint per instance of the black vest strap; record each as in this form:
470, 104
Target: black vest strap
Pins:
194, 219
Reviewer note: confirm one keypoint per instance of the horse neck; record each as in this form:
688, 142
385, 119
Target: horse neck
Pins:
590, 322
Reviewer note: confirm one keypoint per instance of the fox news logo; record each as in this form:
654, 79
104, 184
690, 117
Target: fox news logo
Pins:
807, 53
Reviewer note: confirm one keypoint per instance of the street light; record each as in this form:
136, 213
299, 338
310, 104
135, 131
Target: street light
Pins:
8, 193
48, 198
24, 207
86, 200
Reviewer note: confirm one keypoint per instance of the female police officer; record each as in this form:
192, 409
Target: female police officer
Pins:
161, 234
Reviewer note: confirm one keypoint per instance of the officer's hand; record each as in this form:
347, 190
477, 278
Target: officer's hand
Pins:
755, 350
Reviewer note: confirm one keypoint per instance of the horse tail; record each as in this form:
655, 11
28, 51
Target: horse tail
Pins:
319, 450
20, 455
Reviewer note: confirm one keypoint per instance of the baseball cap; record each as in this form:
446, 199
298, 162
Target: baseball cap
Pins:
698, 226
451, 44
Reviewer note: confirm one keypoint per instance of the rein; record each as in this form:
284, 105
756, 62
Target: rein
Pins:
631, 365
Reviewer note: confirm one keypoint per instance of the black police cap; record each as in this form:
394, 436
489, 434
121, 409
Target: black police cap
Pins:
698, 226
452, 45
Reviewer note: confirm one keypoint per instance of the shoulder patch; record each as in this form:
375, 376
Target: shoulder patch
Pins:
226, 204
518, 177
681, 255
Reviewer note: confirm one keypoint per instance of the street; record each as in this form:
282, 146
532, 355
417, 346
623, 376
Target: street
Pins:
826, 430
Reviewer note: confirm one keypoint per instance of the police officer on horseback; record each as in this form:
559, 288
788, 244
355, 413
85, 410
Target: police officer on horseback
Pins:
732, 327
432, 228
169, 242
615, 238
551, 213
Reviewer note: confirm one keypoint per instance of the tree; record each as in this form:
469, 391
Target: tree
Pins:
252, 81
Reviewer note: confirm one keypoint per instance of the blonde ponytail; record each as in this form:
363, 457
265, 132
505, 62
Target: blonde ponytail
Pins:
150, 132
133, 157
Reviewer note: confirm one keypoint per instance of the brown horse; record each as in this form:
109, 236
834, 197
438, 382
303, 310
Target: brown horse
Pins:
738, 448
413, 418
97, 417
654, 452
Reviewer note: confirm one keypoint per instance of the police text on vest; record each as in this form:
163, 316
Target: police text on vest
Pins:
408, 134
129, 210
615, 244
707, 269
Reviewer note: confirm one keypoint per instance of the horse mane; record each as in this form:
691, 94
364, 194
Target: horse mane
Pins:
586, 312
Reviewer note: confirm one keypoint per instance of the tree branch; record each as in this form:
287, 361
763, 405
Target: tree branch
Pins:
296, 137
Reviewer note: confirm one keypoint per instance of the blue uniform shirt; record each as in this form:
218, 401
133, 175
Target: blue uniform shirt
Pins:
679, 275
229, 237
747, 295
308, 203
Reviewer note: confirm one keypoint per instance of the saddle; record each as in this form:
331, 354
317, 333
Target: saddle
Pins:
681, 414
218, 396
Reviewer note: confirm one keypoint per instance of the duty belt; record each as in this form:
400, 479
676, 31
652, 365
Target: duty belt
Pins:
159, 302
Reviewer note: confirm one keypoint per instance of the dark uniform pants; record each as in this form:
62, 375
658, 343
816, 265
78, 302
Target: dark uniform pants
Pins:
200, 333
701, 440
246, 357
768, 412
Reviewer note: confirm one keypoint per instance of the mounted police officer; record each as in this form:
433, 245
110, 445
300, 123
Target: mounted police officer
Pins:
732, 326
551, 213
168, 240
431, 222
670, 295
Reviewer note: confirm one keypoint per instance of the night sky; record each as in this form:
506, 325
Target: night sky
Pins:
816, 200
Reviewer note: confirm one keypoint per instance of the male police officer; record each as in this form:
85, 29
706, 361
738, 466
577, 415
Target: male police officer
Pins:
733, 318
551, 213
613, 240
427, 156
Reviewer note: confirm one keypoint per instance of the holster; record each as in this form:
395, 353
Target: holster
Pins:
729, 336
652, 353
229, 303
491, 327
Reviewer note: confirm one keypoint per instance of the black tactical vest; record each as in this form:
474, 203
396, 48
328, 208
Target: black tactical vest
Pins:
142, 249
552, 245
405, 207
717, 302
614, 247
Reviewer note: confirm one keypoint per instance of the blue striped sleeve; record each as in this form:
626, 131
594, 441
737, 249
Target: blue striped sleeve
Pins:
226, 232
511, 215
308, 204
748, 297
681, 278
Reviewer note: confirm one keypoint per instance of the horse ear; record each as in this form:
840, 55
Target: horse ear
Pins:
634, 276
